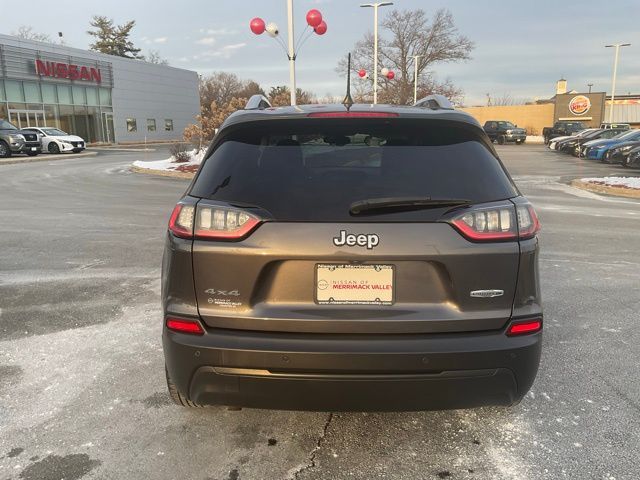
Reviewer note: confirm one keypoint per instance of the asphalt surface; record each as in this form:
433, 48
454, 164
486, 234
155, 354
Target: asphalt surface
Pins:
82, 390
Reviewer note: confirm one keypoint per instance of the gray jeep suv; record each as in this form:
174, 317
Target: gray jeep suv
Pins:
365, 258
14, 140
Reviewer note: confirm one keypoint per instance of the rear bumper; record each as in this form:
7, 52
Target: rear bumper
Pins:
352, 372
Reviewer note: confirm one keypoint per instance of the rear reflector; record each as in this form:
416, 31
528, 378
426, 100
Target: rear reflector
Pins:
523, 328
184, 326
352, 114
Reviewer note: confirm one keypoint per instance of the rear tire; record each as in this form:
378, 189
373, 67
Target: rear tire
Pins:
54, 148
5, 151
177, 397
501, 140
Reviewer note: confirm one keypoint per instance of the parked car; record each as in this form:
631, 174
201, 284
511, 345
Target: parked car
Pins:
598, 149
561, 128
13, 140
57, 141
568, 143
617, 126
632, 160
300, 283
574, 146
503, 132
553, 143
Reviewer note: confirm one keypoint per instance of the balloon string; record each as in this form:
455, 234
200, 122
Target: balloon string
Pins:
281, 43
304, 41
302, 34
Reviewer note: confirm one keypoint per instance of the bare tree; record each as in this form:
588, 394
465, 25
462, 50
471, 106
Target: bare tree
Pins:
504, 100
405, 34
219, 87
154, 57
26, 32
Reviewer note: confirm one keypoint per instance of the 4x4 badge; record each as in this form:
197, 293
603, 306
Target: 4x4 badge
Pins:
368, 240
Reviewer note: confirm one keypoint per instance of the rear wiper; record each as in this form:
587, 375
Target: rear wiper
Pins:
374, 206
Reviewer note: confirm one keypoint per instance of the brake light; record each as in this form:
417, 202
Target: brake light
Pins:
499, 223
223, 223
184, 326
181, 221
352, 114
212, 222
524, 328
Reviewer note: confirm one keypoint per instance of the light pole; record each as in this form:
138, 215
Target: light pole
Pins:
375, 7
291, 53
589, 85
615, 72
415, 77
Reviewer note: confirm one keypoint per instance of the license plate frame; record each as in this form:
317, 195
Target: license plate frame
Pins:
380, 278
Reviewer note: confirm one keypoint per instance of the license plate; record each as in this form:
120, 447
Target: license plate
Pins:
346, 284
33, 149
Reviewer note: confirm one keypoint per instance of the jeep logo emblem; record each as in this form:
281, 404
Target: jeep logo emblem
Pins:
368, 240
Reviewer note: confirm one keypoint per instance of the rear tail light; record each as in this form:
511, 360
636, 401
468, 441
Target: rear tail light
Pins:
223, 223
524, 327
213, 222
184, 326
498, 223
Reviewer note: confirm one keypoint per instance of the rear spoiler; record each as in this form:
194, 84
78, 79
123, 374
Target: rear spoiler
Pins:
435, 102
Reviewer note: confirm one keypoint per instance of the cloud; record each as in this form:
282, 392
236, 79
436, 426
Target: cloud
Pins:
160, 40
206, 41
218, 31
149, 41
224, 52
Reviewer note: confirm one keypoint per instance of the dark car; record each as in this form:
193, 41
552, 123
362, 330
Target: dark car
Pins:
502, 132
561, 128
632, 159
13, 140
306, 268
574, 145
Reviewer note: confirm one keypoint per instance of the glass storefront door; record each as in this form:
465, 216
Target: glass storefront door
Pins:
27, 118
107, 123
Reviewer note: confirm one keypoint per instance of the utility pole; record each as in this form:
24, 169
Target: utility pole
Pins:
589, 85
615, 72
375, 7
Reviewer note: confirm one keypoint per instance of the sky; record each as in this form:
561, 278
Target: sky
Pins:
521, 47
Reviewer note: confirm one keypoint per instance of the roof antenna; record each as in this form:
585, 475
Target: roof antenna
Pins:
348, 101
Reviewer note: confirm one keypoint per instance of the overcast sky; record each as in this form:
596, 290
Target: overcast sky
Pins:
522, 47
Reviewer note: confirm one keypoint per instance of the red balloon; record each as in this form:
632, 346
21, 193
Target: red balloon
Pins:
391, 75
257, 26
362, 73
321, 29
314, 18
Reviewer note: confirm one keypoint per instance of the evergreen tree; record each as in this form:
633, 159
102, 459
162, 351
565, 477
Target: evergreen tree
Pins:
113, 39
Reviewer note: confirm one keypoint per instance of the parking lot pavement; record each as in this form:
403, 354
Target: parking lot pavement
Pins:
82, 391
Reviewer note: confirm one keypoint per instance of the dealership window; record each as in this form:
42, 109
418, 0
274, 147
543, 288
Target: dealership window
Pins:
132, 125
3, 112
105, 97
49, 94
32, 92
2, 96
151, 124
64, 95
14, 91
168, 125
92, 96
79, 97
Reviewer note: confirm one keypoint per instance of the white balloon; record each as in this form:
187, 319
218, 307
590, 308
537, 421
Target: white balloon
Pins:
272, 30
384, 72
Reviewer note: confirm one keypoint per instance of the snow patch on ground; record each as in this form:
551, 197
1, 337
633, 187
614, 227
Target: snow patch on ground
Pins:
170, 164
623, 182
535, 139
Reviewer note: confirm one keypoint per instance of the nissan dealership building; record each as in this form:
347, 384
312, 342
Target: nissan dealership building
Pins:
102, 98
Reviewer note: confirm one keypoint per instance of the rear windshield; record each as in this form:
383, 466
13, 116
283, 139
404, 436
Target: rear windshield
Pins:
314, 169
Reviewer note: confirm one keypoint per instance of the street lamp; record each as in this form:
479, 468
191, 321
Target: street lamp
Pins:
314, 20
415, 77
375, 7
615, 72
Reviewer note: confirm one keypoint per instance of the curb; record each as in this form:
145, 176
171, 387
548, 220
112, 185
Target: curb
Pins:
162, 173
606, 189
104, 149
46, 158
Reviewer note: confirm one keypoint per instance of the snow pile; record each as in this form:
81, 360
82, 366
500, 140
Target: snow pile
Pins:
535, 139
632, 183
170, 164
